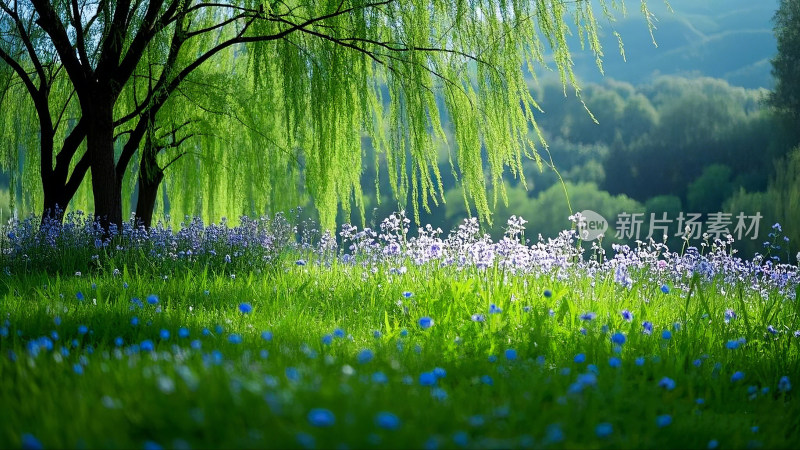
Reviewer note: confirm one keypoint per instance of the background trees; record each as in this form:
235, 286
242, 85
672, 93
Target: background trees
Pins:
99, 77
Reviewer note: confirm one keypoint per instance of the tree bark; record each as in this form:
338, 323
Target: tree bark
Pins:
150, 177
106, 186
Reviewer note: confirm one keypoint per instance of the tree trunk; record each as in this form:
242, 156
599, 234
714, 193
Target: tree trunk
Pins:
55, 202
150, 177
106, 187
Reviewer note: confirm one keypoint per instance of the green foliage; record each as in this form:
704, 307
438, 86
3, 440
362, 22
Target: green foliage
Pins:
710, 189
786, 65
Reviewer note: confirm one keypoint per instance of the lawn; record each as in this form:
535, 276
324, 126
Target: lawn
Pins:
261, 335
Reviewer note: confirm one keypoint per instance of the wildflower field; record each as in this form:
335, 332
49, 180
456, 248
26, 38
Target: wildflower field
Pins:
261, 335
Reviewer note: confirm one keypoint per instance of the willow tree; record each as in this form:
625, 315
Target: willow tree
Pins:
323, 74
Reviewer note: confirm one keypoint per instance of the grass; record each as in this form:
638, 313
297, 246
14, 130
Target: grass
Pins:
332, 354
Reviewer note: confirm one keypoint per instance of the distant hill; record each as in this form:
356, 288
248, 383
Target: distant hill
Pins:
728, 39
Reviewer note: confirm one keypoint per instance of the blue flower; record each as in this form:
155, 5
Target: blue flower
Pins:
407, 294
614, 361
580, 358
79, 296
29, 442
784, 385
588, 316
183, 333
548, 293
425, 322
666, 335
427, 379
147, 345
737, 376
57, 320
403, 332
118, 341
697, 362
245, 308
663, 420
478, 318
235, 339
439, 394
338, 333
151, 445
77, 368
376, 334
618, 338
379, 378
152, 299
712, 444
511, 354
134, 321
665, 288
486, 379
365, 356
439, 372
667, 383
266, 335
292, 374
196, 344
387, 420
553, 433
327, 339
461, 438
772, 330
603, 430
164, 334
300, 262
647, 327
83, 329
494, 309
321, 417
492, 358
626, 315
